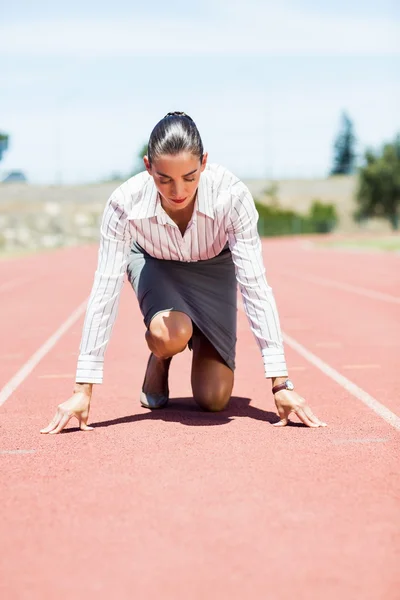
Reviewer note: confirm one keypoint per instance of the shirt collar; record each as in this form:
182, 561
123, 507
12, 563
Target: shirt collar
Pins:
146, 204
149, 204
205, 195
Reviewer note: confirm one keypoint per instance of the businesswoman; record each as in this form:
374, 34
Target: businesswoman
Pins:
185, 233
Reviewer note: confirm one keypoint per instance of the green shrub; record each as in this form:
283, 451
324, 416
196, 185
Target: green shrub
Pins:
273, 220
323, 216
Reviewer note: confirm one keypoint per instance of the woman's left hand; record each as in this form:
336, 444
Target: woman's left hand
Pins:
288, 401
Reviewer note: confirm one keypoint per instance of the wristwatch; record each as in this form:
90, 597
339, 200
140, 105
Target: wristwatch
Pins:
287, 385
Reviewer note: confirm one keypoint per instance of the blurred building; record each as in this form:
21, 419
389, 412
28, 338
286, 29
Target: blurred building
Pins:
15, 177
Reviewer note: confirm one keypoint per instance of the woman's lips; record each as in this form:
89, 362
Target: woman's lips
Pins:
178, 200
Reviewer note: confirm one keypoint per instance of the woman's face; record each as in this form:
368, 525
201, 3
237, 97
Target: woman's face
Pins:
176, 178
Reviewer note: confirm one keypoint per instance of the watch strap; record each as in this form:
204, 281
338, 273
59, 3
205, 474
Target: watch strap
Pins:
278, 388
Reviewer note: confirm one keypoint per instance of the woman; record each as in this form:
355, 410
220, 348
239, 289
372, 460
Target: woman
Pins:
185, 233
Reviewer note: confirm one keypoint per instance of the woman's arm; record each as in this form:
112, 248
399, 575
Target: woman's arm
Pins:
260, 307
100, 316
102, 308
258, 299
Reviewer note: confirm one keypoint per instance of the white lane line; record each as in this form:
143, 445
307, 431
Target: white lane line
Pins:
360, 441
361, 366
347, 287
17, 451
12, 284
31, 363
381, 410
57, 376
348, 385
328, 344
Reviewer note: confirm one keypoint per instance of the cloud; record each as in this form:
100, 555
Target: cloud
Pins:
232, 29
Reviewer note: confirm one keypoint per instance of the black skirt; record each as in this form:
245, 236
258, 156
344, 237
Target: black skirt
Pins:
205, 290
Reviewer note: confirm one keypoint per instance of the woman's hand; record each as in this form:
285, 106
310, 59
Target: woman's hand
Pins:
289, 401
77, 406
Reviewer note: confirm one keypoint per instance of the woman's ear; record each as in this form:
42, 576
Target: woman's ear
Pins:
204, 161
147, 164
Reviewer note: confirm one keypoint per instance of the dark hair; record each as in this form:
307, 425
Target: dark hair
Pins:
175, 133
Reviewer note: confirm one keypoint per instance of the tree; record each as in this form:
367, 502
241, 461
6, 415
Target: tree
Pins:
378, 193
139, 167
345, 156
3, 143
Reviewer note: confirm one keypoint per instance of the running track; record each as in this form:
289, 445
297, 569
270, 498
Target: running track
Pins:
181, 504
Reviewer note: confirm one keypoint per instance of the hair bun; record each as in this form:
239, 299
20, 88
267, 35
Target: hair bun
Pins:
177, 113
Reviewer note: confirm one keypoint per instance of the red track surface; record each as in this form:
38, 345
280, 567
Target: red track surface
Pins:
181, 504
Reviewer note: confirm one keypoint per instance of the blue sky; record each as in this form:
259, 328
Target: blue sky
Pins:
82, 85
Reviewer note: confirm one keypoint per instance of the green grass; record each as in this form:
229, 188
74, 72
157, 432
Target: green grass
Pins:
20, 253
383, 244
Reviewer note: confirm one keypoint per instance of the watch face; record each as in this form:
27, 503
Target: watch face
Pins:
289, 385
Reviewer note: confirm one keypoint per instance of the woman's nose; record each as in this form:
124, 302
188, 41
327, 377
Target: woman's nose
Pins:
178, 190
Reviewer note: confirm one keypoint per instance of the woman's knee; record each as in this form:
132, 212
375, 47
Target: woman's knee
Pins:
213, 398
169, 333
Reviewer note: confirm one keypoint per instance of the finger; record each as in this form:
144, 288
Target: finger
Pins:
281, 423
284, 417
304, 419
313, 417
64, 420
83, 424
85, 427
83, 419
53, 423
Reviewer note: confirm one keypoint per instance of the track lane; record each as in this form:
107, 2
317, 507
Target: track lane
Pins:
379, 270
357, 335
56, 284
219, 502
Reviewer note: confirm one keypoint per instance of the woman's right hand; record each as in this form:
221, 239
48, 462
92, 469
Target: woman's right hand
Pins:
77, 406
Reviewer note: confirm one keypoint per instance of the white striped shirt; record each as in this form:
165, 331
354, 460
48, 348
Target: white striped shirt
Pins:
224, 212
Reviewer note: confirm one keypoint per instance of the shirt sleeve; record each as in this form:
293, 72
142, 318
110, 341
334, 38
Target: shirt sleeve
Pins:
258, 299
102, 308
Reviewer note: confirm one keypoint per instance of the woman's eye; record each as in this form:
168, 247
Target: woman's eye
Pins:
168, 181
